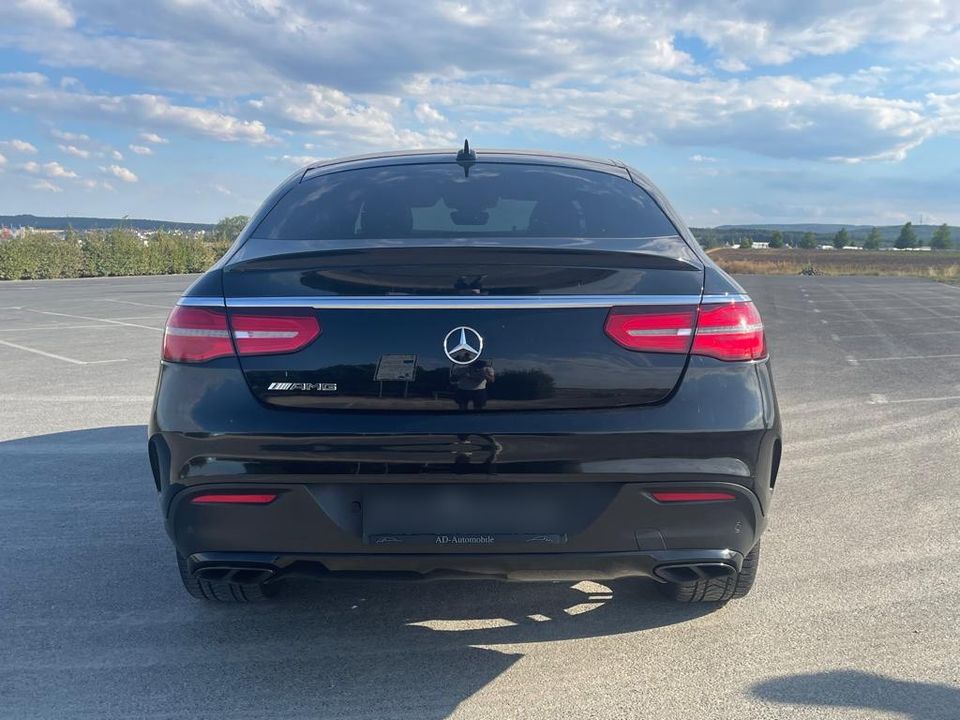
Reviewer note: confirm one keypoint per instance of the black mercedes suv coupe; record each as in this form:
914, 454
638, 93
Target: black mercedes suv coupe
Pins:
493, 364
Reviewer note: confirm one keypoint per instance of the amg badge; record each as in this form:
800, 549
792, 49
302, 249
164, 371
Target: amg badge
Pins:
302, 387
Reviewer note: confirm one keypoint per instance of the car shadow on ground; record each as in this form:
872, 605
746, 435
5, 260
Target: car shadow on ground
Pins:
102, 627
855, 689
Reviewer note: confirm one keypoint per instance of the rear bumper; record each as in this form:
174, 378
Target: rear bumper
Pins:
510, 531
262, 567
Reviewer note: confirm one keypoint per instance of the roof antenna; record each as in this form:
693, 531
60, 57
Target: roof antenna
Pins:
466, 157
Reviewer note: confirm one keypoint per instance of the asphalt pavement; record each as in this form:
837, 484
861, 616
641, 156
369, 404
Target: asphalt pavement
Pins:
856, 611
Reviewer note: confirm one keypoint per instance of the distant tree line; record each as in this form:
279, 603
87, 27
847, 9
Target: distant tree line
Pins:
117, 251
907, 238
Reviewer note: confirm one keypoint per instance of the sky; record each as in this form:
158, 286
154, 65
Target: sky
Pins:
742, 111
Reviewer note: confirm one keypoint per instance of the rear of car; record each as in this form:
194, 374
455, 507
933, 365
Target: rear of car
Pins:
506, 365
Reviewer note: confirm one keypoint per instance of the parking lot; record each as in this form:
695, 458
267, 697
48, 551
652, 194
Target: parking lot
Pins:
856, 613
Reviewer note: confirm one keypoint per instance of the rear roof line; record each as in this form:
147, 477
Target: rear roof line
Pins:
451, 154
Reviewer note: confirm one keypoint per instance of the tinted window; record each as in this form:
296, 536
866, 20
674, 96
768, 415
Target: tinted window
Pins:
497, 199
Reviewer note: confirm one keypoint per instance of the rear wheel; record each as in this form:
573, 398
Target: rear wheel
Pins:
221, 591
718, 589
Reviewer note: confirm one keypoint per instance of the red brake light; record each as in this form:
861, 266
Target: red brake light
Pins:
196, 335
235, 499
728, 331
731, 331
654, 329
683, 496
271, 334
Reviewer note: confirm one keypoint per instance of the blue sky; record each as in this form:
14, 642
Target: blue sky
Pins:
747, 111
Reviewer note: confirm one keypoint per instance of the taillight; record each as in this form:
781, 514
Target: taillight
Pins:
685, 496
195, 335
655, 329
271, 334
731, 331
727, 331
234, 499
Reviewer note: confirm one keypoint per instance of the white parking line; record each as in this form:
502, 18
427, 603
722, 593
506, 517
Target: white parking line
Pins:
87, 317
890, 335
852, 360
30, 328
54, 356
882, 400
77, 398
131, 302
899, 319
911, 357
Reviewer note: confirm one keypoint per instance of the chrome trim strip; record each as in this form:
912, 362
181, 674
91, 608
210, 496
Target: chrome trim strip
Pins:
730, 297
190, 301
466, 302
460, 302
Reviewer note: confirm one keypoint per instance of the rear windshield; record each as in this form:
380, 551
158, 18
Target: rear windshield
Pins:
438, 200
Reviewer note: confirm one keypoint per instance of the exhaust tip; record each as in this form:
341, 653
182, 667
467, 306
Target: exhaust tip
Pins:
239, 575
693, 572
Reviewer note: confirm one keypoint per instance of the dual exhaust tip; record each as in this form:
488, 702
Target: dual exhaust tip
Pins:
241, 575
694, 572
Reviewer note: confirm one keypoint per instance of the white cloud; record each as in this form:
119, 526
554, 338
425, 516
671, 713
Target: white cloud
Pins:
21, 146
344, 121
42, 13
69, 136
153, 138
91, 184
30, 79
50, 169
46, 186
140, 108
732, 65
427, 114
702, 158
121, 173
3, 160
296, 160
75, 151
140, 149
116, 155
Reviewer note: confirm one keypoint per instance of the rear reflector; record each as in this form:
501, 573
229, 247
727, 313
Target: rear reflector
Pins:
680, 496
235, 499
728, 331
195, 335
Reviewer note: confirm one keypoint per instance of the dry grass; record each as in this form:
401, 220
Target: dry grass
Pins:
943, 266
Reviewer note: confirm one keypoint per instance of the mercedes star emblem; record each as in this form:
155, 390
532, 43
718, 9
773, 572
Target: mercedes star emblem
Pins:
463, 345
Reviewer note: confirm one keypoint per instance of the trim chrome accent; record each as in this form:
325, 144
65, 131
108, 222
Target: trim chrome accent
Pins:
460, 302
192, 301
456, 302
730, 297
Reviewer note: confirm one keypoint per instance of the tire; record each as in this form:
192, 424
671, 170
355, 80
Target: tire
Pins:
719, 590
225, 592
